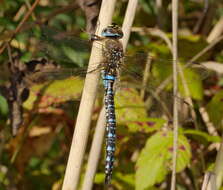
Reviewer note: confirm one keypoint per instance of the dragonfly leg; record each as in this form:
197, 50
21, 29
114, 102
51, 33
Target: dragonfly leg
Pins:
95, 37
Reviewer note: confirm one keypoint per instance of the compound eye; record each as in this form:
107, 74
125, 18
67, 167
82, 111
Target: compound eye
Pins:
111, 33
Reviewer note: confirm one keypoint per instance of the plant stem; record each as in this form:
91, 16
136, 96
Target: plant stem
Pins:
175, 84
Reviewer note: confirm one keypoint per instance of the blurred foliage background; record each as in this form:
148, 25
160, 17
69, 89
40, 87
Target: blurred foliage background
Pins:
55, 36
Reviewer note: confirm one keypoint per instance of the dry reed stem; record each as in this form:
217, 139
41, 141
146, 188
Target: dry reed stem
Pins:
81, 131
216, 31
128, 21
95, 151
175, 84
218, 169
216, 179
206, 180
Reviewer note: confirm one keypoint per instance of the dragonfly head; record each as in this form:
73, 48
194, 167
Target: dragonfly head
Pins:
112, 31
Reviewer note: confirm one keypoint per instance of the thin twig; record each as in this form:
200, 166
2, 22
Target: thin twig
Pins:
175, 84
205, 50
216, 31
146, 75
162, 104
81, 132
214, 66
25, 18
205, 117
188, 97
201, 19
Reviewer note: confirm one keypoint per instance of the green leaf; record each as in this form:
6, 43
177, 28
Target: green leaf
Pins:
55, 92
77, 57
131, 112
7, 23
191, 45
192, 79
146, 125
161, 70
3, 106
129, 105
99, 178
194, 84
154, 161
127, 180
202, 136
215, 109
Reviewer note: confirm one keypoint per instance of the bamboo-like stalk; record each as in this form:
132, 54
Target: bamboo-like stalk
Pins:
175, 84
100, 127
95, 151
81, 131
216, 31
218, 169
216, 179
128, 21
206, 180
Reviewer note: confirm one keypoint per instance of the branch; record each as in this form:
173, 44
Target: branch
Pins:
25, 18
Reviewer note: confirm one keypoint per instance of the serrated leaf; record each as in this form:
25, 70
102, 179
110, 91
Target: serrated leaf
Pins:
155, 159
215, 109
55, 92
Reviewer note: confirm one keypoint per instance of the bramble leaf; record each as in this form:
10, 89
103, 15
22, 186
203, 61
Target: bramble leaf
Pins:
154, 161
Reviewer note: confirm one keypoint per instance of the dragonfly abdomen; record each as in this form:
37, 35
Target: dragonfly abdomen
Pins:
110, 125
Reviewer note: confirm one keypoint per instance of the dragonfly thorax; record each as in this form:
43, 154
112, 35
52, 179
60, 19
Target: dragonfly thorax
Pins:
113, 54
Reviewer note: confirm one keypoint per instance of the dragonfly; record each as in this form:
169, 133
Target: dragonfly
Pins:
114, 61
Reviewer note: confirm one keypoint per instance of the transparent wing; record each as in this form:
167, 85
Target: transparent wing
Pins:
71, 51
64, 48
67, 50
